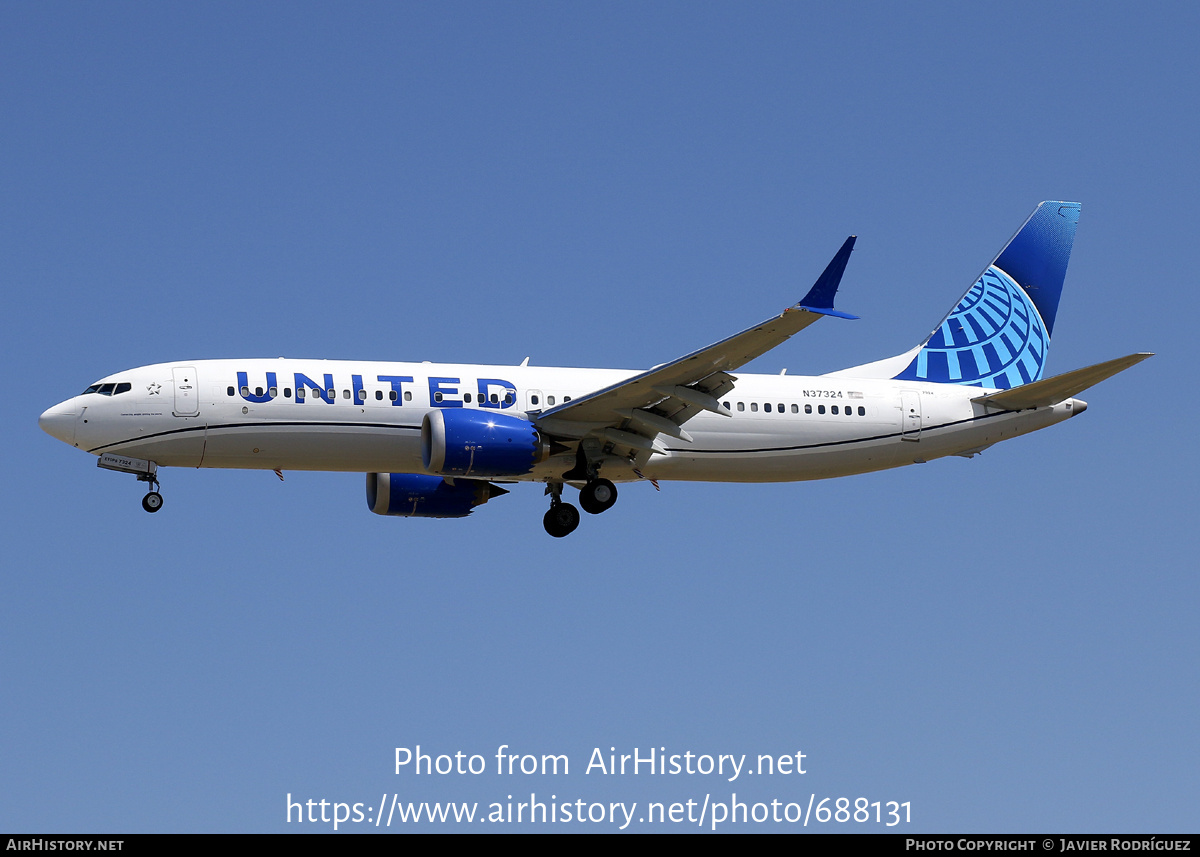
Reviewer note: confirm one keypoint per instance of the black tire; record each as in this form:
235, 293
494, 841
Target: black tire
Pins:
597, 496
152, 502
561, 520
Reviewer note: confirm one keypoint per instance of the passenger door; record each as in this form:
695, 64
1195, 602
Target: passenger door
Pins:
187, 391
910, 415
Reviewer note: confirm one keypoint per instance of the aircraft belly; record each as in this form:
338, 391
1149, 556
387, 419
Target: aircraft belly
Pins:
816, 452
792, 465
362, 449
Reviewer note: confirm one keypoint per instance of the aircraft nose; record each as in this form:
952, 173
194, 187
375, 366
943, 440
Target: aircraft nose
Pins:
59, 421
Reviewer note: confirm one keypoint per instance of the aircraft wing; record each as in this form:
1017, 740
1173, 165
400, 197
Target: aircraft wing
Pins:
633, 412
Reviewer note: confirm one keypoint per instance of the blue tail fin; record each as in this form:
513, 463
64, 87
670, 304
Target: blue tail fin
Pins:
998, 334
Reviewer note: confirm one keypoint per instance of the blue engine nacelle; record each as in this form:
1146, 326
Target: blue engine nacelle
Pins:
416, 495
467, 442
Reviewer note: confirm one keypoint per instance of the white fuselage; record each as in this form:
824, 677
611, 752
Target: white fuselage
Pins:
367, 418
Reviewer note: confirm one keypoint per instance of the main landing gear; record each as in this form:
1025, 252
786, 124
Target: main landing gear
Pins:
595, 497
562, 518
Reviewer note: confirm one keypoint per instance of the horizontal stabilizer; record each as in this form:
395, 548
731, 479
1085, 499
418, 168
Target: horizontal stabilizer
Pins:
1051, 391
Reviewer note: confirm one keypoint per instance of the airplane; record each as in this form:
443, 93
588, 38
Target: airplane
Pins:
438, 440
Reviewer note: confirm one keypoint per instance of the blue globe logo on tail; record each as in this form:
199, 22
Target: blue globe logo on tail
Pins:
998, 334
995, 337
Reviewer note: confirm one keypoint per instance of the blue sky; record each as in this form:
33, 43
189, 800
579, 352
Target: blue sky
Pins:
1008, 643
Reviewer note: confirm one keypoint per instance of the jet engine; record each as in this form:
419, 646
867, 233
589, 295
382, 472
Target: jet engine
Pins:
467, 442
417, 495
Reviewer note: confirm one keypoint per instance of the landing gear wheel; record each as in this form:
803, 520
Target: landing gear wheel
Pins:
561, 520
152, 502
597, 496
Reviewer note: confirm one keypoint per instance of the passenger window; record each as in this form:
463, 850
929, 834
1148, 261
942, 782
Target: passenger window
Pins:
808, 409
862, 412
495, 399
408, 395
820, 409
362, 394
741, 406
549, 400
229, 391
245, 391
781, 408
533, 400
726, 404
287, 392
392, 395
566, 398
274, 391
508, 398
300, 393
345, 394
437, 397
467, 398
754, 407
795, 409
767, 407
379, 395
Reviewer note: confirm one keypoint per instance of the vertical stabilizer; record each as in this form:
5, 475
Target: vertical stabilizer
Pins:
998, 333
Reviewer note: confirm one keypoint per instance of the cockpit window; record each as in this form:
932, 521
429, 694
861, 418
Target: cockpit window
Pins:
111, 389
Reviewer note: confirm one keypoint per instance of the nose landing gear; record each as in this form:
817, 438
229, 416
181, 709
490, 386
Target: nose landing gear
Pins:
145, 471
153, 501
